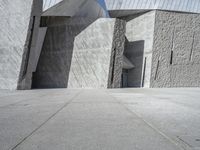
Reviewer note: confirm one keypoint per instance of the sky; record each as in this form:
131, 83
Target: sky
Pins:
102, 2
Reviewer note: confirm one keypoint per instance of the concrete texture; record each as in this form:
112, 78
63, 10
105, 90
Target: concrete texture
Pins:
77, 53
116, 60
56, 56
31, 51
92, 54
15, 27
138, 48
176, 52
127, 119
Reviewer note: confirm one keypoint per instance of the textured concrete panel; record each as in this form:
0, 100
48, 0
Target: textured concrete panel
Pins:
33, 59
16, 17
56, 56
55, 59
93, 53
139, 44
116, 60
176, 50
30, 51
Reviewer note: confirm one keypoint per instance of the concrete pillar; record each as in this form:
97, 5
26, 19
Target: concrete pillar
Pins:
16, 25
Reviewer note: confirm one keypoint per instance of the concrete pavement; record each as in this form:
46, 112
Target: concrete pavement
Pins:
120, 119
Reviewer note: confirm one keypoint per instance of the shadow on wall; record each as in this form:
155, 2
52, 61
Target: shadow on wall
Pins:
134, 51
56, 55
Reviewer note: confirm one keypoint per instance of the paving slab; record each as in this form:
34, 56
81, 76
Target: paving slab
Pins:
128, 119
173, 112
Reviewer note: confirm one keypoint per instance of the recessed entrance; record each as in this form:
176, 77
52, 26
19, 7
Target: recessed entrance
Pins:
134, 53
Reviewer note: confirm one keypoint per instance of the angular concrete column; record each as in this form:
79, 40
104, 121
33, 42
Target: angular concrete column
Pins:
81, 53
19, 24
97, 59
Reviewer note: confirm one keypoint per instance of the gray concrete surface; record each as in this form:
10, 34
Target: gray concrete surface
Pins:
128, 119
56, 55
176, 55
93, 55
139, 45
14, 26
19, 30
79, 53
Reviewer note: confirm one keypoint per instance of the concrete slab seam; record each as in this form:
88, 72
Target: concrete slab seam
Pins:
22, 101
150, 125
53, 115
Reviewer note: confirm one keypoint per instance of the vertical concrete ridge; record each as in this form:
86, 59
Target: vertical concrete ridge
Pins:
116, 60
25, 75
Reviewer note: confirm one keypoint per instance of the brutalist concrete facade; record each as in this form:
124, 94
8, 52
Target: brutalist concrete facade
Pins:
18, 18
176, 50
74, 48
79, 53
138, 48
97, 55
170, 45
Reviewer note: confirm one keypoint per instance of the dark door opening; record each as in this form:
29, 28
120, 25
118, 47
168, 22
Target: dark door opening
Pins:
134, 52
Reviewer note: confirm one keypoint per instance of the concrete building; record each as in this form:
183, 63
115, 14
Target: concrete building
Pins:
81, 44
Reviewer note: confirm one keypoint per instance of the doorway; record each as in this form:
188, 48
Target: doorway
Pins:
134, 52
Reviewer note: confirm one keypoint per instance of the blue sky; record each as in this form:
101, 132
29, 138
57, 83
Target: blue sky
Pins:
102, 2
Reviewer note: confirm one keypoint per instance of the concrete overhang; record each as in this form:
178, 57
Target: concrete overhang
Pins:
71, 8
120, 8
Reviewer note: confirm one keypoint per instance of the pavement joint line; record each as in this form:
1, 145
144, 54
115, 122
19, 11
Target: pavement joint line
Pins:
90, 102
150, 125
186, 143
17, 94
22, 101
48, 119
43, 95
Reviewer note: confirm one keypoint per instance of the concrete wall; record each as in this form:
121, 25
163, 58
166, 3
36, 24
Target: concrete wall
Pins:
33, 47
116, 60
93, 55
77, 53
14, 27
139, 44
176, 50
55, 59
